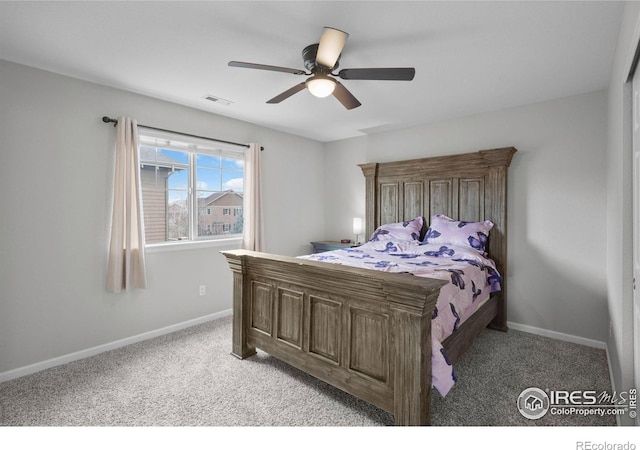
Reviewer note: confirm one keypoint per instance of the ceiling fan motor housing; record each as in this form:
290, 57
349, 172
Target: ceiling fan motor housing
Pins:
309, 57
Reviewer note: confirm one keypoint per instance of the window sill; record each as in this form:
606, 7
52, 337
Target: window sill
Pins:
235, 242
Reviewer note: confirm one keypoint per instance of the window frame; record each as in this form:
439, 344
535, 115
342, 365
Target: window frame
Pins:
195, 146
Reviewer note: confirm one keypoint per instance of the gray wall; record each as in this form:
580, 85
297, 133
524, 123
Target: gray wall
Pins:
55, 196
556, 201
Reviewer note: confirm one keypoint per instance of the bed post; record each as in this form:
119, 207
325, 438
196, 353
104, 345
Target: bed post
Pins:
411, 328
370, 171
497, 162
240, 348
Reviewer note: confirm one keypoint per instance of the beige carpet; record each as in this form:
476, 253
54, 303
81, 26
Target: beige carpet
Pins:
189, 378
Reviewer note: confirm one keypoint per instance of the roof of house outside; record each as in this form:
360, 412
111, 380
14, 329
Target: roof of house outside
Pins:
151, 157
217, 195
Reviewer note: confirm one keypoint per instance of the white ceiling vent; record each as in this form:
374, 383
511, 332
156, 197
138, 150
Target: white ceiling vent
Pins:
220, 101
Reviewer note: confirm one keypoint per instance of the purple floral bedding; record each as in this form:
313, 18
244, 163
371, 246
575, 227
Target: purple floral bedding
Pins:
471, 275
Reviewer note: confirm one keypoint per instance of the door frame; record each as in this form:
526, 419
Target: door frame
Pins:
632, 98
626, 349
635, 197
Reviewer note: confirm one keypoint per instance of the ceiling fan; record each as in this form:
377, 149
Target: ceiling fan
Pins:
321, 60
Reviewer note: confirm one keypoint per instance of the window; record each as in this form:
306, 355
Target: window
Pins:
187, 185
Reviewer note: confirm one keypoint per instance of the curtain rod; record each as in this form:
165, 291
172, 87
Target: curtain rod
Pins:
106, 119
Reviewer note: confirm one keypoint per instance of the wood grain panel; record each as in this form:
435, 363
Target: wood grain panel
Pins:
412, 349
240, 347
456, 344
389, 201
369, 344
324, 328
441, 197
413, 199
471, 199
496, 208
261, 306
370, 172
289, 314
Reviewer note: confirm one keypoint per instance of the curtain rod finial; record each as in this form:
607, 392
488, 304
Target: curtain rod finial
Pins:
106, 119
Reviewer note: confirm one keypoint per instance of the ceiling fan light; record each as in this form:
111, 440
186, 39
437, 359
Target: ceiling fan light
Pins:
321, 86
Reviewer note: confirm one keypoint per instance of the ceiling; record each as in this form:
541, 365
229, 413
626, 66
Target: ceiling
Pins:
470, 57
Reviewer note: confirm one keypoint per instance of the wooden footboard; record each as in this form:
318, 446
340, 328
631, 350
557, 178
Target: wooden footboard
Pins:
365, 332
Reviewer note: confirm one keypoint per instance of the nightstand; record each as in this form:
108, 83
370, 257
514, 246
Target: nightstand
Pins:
325, 246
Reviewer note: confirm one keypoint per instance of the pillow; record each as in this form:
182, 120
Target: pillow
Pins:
444, 230
401, 231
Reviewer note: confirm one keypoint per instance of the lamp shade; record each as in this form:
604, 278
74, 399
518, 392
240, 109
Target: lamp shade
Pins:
357, 225
321, 86
331, 44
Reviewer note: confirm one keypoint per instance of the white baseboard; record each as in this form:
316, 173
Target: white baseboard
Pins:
557, 335
37, 367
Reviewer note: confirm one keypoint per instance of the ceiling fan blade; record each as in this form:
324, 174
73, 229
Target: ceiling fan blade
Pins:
331, 44
288, 93
247, 65
345, 97
390, 73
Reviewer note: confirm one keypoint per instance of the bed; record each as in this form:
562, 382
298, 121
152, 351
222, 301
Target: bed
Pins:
369, 332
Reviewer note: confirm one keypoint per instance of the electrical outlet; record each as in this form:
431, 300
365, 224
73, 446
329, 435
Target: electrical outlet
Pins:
203, 289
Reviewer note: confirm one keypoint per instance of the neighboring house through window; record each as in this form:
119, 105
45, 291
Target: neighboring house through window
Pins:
189, 187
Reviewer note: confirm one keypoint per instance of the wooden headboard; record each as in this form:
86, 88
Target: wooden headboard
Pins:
470, 187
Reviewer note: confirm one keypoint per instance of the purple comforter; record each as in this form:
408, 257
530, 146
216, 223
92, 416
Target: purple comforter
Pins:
471, 275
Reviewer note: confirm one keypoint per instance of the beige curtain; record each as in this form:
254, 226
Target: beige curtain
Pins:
126, 248
253, 222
